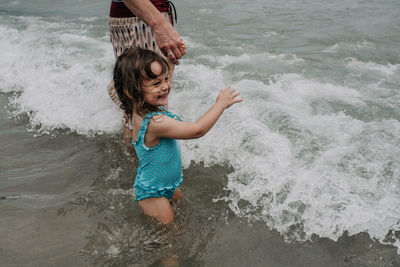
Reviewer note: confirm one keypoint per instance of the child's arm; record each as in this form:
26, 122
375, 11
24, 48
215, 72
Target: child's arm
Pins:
170, 128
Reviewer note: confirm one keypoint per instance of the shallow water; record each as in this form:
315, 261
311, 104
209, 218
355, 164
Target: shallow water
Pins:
304, 172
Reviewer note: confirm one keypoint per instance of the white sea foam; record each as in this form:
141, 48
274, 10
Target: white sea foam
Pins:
60, 83
348, 46
255, 58
372, 68
300, 169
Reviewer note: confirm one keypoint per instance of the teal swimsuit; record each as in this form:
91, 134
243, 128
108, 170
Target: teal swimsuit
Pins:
160, 167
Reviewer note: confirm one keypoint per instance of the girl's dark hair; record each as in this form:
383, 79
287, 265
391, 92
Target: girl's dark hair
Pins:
131, 68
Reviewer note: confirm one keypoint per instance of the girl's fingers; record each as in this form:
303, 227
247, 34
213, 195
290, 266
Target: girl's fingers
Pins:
230, 95
235, 94
227, 88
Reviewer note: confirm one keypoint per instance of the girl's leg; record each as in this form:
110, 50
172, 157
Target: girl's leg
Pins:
177, 195
159, 208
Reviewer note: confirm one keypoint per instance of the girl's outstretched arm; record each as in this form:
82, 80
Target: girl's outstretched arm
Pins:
170, 128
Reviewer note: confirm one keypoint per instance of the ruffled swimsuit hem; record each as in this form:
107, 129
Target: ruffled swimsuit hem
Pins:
167, 191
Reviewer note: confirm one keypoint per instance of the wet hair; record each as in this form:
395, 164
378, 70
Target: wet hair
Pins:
132, 67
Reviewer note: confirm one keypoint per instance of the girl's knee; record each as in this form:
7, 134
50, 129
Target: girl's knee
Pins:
177, 195
158, 208
166, 218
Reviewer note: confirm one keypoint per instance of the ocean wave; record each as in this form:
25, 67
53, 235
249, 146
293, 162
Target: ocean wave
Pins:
303, 160
304, 170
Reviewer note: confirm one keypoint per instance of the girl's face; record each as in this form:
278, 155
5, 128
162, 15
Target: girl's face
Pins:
156, 90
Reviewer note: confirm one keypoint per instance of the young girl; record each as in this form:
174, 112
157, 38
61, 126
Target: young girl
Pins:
143, 86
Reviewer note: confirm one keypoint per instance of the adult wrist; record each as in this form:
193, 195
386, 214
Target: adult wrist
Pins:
158, 22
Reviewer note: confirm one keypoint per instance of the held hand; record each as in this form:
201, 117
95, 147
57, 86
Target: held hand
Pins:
169, 41
227, 97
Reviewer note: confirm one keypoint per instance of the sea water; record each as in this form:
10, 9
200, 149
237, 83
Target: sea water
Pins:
313, 150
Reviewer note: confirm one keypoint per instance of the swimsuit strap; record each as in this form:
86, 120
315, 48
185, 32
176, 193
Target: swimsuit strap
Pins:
146, 120
170, 114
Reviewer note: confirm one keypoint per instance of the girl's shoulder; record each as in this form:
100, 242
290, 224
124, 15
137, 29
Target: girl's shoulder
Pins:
158, 118
155, 125
161, 114
162, 121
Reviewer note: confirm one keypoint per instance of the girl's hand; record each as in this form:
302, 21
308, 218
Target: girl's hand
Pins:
227, 97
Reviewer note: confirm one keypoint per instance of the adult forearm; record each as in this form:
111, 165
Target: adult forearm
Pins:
166, 37
146, 11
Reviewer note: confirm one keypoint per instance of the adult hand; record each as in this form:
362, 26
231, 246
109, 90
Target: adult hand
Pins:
169, 41
167, 38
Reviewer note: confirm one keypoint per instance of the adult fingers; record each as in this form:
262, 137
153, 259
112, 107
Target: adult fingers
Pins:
182, 47
182, 50
171, 56
177, 53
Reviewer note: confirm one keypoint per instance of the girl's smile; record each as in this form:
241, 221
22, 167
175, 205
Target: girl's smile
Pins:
156, 90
